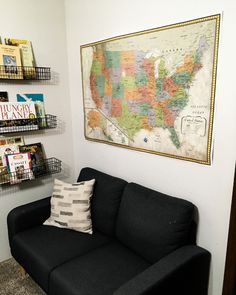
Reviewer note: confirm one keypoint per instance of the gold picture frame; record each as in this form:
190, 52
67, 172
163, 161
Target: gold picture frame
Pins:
154, 90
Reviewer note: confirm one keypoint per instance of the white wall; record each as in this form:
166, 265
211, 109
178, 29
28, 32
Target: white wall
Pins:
209, 188
42, 22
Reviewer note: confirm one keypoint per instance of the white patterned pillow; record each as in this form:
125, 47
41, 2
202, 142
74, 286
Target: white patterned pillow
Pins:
70, 205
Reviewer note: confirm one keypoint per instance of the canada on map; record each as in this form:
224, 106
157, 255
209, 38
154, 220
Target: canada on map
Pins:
153, 91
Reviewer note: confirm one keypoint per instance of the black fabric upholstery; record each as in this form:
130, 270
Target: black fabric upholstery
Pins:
27, 216
183, 272
100, 272
41, 249
138, 246
153, 224
106, 199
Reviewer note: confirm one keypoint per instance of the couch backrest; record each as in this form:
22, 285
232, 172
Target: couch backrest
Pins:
153, 224
106, 199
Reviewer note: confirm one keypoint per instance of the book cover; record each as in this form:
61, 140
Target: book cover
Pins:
14, 116
4, 175
37, 157
10, 61
19, 167
9, 145
17, 140
3, 96
26, 50
5, 150
38, 99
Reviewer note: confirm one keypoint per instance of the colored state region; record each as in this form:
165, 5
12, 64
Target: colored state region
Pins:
129, 87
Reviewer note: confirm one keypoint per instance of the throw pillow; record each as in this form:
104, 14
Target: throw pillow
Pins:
70, 205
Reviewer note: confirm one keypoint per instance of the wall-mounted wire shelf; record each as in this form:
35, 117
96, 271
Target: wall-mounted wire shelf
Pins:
22, 125
24, 73
46, 167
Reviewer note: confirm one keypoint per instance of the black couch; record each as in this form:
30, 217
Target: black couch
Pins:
143, 243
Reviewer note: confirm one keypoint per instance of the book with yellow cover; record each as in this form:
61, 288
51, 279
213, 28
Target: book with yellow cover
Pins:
27, 56
10, 61
26, 50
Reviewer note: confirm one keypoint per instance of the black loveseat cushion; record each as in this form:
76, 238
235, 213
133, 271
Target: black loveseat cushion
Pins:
106, 199
40, 249
100, 272
153, 224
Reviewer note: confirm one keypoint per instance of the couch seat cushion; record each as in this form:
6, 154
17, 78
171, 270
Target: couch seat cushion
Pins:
41, 249
99, 272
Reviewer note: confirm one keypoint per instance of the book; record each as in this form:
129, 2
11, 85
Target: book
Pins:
5, 150
26, 50
15, 116
38, 99
10, 61
17, 140
37, 157
19, 167
4, 175
3, 96
27, 56
8, 145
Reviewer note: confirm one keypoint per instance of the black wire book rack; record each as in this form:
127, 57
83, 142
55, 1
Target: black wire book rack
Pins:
46, 167
24, 73
21, 125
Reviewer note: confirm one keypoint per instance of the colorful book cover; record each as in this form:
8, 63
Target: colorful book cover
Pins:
17, 140
9, 145
14, 116
38, 99
3, 96
5, 150
19, 166
37, 157
4, 175
10, 61
26, 50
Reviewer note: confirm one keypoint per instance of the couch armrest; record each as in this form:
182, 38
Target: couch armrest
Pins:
182, 272
27, 216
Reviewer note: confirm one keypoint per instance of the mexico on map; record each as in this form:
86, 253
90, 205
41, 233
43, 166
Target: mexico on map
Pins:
154, 90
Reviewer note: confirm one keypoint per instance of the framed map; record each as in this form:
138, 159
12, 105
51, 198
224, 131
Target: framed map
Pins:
154, 90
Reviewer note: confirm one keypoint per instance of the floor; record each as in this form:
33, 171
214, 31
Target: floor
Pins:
14, 282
